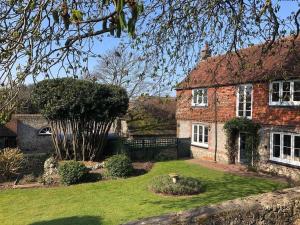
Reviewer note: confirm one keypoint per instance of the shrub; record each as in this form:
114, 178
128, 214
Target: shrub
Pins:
50, 175
119, 166
72, 172
11, 161
184, 186
80, 106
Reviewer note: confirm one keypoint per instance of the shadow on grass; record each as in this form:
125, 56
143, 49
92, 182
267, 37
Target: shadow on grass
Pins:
75, 220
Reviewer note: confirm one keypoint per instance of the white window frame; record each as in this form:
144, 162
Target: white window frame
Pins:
45, 131
202, 103
280, 102
197, 143
281, 159
244, 101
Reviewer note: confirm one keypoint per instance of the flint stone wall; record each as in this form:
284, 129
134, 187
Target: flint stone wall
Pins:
276, 208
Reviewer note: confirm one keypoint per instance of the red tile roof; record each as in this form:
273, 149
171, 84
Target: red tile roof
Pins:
281, 62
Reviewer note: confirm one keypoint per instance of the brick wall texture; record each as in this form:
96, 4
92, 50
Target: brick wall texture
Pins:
226, 107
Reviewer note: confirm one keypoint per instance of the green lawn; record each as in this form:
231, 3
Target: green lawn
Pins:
118, 201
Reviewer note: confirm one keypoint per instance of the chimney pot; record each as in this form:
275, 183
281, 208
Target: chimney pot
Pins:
206, 52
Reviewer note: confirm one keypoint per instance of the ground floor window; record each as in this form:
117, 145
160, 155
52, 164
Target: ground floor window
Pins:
285, 148
200, 135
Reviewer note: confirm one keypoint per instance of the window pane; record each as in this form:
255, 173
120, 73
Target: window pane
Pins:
275, 87
205, 96
241, 106
297, 91
287, 146
297, 142
248, 106
275, 97
286, 93
297, 86
297, 148
195, 96
275, 92
241, 113
248, 93
276, 139
248, 113
206, 135
297, 96
241, 93
287, 140
195, 133
276, 145
200, 99
276, 151
200, 134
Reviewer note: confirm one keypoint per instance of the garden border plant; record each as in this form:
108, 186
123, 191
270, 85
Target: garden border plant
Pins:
164, 184
232, 129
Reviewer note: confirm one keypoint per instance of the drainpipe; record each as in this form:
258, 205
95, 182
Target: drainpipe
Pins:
216, 124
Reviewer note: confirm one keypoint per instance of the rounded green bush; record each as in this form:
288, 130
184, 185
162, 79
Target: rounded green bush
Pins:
72, 172
119, 166
184, 186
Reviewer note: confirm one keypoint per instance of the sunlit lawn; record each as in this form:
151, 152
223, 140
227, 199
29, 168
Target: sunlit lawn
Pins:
119, 201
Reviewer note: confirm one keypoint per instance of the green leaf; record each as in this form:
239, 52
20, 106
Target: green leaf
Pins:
122, 20
77, 15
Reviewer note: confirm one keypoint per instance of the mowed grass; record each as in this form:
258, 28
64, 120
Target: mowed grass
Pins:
119, 201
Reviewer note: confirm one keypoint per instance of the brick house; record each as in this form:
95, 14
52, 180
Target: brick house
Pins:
263, 87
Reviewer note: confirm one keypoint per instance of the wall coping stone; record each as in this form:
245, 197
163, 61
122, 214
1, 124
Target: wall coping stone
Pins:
279, 208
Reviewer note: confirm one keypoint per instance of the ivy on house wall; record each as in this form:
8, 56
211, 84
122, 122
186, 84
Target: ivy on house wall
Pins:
232, 129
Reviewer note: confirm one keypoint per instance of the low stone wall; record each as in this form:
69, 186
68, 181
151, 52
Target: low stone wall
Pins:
276, 208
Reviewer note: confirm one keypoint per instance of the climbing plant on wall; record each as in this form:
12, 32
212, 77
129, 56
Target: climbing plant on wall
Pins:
232, 129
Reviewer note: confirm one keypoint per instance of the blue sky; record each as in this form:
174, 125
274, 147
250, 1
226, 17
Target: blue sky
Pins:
108, 43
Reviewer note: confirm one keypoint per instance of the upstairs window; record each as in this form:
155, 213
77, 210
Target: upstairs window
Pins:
244, 101
200, 135
285, 93
199, 97
285, 148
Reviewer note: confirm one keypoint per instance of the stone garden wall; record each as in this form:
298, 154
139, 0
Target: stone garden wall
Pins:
277, 208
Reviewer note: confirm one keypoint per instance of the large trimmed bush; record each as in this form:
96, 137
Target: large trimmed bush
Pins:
72, 172
184, 186
119, 166
11, 162
80, 113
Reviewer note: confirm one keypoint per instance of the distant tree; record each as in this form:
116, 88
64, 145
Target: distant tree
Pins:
25, 104
151, 115
125, 69
80, 113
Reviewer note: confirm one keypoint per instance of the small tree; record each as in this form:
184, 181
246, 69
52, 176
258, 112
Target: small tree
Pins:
125, 69
80, 113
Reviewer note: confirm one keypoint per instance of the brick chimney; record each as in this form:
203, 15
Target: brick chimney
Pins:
206, 52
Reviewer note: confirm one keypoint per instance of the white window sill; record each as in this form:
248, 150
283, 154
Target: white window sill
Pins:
247, 117
284, 103
285, 161
200, 145
199, 105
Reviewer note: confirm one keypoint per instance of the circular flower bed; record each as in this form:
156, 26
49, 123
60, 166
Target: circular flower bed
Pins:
176, 185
